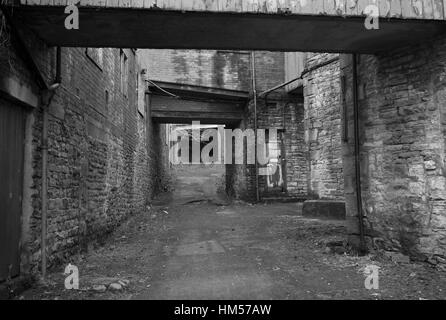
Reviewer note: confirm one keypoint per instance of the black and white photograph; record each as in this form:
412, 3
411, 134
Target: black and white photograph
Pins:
222, 155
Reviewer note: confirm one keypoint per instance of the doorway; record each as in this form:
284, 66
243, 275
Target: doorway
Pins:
275, 180
12, 135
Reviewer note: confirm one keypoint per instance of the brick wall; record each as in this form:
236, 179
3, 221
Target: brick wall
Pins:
402, 107
209, 68
280, 111
323, 127
105, 159
232, 70
286, 114
219, 69
270, 70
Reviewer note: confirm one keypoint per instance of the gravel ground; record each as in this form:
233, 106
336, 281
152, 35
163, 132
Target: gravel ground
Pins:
192, 245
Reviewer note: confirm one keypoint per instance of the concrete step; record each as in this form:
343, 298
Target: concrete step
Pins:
283, 199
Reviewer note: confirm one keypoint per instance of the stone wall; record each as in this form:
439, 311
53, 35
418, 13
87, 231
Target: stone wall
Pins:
323, 127
402, 134
103, 155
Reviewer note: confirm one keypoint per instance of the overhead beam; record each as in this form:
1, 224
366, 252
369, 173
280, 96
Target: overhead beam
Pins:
142, 28
189, 117
191, 91
170, 110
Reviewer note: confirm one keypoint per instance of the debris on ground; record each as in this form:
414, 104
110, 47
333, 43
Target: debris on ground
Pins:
99, 288
115, 286
270, 250
396, 257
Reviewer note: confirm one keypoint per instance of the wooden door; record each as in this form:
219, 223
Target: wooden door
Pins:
12, 134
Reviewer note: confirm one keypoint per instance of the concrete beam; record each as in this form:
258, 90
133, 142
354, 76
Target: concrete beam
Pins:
144, 28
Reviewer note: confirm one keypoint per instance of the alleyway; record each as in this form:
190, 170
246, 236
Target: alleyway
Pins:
192, 245
338, 120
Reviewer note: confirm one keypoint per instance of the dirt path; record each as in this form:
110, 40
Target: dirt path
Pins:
192, 246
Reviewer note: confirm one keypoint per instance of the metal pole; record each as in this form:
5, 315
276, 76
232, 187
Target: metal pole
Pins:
58, 79
357, 155
254, 91
44, 186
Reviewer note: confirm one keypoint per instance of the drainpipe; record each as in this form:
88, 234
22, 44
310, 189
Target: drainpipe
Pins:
254, 90
48, 97
58, 79
362, 245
